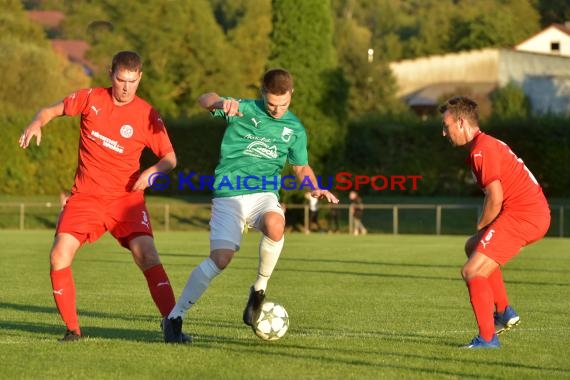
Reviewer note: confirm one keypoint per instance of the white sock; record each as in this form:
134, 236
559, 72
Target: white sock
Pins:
269, 252
196, 285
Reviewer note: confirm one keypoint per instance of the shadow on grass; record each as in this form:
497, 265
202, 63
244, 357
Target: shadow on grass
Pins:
284, 258
57, 332
358, 358
90, 331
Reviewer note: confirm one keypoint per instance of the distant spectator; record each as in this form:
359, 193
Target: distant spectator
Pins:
313, 213
357, 210
333, 219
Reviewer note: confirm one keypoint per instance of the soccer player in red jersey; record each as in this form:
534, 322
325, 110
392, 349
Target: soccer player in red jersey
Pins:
108, 191
515, 214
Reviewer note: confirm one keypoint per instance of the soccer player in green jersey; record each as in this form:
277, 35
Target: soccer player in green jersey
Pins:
261, 135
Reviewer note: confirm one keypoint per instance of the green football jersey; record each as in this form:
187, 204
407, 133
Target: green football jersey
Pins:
255, 148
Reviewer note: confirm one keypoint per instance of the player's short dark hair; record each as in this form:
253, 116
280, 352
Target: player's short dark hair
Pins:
128, 60
277, 82
461, 106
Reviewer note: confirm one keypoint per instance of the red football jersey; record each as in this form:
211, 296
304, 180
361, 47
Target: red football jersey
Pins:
491, 159
112, 139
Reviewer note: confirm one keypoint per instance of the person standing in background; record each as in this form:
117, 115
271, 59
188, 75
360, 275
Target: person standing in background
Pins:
357, 211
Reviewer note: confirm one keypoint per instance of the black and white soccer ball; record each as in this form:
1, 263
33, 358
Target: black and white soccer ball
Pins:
272, 323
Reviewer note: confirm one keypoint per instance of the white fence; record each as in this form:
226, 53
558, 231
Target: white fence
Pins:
42, 215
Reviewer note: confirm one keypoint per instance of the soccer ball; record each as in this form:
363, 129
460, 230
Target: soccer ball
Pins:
272, 323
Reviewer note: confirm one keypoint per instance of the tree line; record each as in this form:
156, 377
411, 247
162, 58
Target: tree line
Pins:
190, 47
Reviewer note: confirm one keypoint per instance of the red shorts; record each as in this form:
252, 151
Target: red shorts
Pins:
503, 239
87, 217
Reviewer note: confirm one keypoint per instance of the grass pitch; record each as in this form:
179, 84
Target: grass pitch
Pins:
368, 307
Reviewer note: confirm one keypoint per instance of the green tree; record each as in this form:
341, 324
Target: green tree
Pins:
493, 23
302, 42
247, 25
371, 84
31, 73
510, 102
186, 55
382, 18
553, 11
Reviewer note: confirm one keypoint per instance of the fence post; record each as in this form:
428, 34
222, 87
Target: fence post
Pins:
395, 219
22, 216
350, 219
438, 220
167, 217
561, 226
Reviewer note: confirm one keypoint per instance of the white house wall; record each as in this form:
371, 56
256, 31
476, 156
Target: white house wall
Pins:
544, 78
470, 66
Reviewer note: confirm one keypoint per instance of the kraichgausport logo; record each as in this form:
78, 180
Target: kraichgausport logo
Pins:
341, 181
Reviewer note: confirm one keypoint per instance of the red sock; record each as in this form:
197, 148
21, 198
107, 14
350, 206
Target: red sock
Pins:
64, 296
481, 297
160, 289
499, 290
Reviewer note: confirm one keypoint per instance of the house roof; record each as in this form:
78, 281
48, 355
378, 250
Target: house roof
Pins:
48, 19
561, 27
74, 51
431, 95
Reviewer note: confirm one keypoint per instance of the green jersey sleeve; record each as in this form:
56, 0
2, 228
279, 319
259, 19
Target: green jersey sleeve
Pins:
298, 154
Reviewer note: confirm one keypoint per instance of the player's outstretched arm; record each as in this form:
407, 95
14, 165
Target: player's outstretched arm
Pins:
212, 101
44, 116
305, 171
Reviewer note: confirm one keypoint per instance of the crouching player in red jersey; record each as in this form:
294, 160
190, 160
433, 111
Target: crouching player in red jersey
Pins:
515, 214
108, 191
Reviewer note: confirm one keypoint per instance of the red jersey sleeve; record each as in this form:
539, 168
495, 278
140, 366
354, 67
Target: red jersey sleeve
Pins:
157, 137
485, 164
75, 104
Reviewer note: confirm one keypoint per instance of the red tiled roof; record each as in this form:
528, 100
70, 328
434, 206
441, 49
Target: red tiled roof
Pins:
48, 19
74, 50
562, 27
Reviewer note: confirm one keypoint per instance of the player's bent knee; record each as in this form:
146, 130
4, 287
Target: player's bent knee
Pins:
222, 257
276, 235
273, 226
63, 251
276, 230
146, 260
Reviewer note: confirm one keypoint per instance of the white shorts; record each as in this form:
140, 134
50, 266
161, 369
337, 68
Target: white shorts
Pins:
231, 216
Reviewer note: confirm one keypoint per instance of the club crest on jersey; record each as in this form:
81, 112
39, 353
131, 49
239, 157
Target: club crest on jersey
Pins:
126, 131
286, 134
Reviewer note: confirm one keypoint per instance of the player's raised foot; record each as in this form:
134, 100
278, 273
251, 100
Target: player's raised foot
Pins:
172, 330
253, 306
70, 336
506, 320
479, 342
